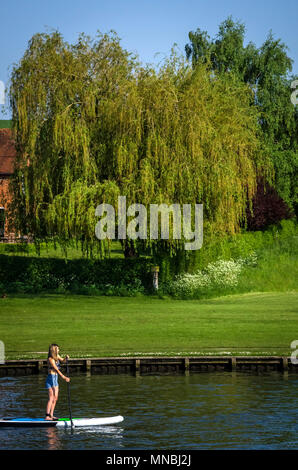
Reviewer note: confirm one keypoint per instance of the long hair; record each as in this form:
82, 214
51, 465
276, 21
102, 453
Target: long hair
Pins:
53, 351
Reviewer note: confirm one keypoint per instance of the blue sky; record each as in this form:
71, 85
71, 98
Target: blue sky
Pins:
147, 27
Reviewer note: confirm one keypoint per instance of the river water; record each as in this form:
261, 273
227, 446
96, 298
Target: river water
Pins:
171, 412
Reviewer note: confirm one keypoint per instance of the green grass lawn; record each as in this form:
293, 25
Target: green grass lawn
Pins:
255, 324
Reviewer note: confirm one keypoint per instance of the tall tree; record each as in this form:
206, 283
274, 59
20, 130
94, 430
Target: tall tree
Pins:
91, 123
267, 71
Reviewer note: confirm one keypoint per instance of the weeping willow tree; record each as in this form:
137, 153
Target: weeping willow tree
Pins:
91, 123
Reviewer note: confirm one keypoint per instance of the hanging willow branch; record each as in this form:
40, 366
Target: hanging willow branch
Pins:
91, 124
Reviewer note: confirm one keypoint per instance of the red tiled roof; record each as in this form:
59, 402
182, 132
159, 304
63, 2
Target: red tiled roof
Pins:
7, 152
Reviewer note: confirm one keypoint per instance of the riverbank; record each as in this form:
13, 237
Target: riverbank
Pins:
259, 324
153, 365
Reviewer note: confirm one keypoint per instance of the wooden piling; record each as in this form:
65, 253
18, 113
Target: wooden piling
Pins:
284, 364
233, 364
137, 366
186, 365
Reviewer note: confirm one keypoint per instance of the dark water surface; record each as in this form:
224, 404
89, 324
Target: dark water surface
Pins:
200, 411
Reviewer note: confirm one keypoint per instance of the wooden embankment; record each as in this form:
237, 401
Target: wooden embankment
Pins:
155, 365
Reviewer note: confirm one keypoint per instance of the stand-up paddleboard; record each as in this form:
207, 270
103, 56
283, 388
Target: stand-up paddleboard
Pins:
61, 423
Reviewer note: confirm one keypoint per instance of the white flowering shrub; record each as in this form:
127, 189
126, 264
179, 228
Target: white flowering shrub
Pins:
219, 274
185, 284
223, 273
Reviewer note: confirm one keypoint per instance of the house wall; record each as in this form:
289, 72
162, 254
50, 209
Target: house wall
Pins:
7, 158
5, 199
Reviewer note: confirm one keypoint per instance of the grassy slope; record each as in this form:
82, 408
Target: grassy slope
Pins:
276, 270
258, 323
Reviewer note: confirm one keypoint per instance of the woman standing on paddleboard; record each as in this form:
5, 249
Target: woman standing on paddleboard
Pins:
52, 379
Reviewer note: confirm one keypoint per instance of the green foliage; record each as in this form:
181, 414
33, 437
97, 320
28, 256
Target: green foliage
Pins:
286, 176
84, 276
18, 248
91, 124
266, 71
226, 52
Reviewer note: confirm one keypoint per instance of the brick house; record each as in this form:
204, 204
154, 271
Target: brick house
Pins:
7, 157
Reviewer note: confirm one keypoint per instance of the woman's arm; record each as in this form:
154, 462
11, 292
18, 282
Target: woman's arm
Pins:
61, 358
53, 365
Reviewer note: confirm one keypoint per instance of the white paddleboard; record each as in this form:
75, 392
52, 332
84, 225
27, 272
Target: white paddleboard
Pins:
62, 423
89, 422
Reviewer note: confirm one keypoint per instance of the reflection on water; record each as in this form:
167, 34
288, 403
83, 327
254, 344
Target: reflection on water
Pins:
198, 411
54, 442
56, 436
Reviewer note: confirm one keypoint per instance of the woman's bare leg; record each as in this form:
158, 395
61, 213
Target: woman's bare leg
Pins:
50, 403
55, 398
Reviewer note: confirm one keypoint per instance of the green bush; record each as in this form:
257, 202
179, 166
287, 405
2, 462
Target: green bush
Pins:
6, 248
110, 276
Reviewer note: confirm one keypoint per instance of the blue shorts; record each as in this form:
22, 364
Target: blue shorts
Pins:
52, 380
